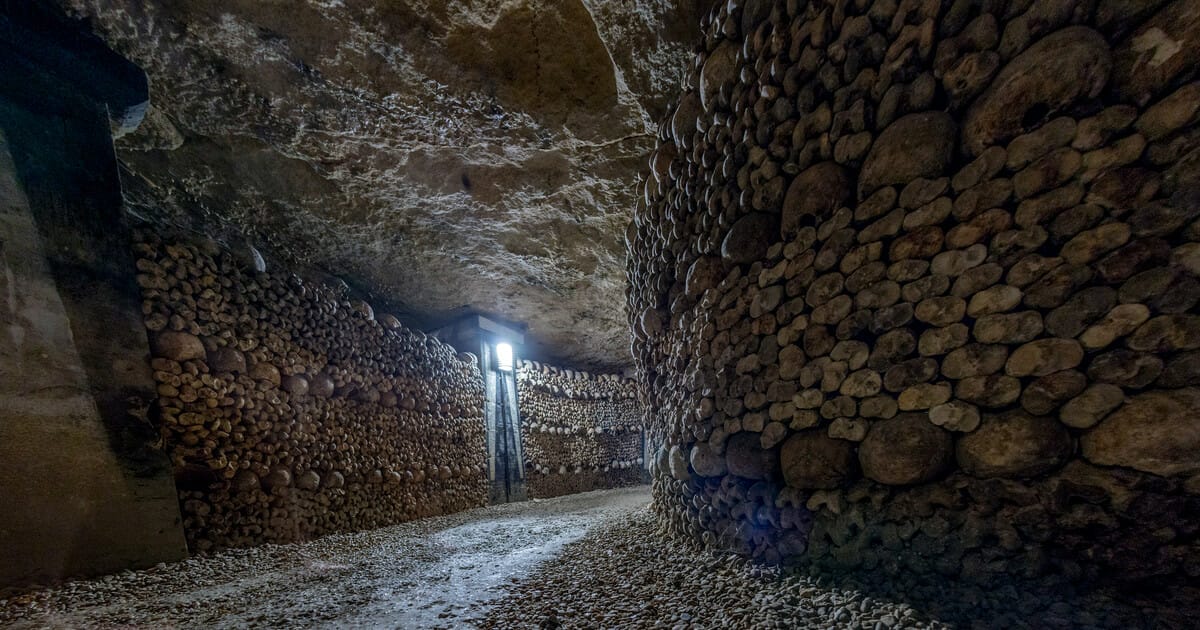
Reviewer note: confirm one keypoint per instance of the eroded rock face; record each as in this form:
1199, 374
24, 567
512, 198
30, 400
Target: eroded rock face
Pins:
434, 154
987, 256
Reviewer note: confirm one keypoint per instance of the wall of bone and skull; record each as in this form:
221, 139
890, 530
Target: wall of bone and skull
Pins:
914, 286
290, 410
580, 431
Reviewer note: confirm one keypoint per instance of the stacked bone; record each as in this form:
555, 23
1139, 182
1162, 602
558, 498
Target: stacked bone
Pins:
291, 412
914, 284
580, 431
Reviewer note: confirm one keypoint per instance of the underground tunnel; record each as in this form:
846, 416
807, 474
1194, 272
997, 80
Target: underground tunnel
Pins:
600, 314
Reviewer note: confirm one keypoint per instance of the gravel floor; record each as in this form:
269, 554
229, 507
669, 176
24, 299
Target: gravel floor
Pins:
583, 561
621, 575
422, 574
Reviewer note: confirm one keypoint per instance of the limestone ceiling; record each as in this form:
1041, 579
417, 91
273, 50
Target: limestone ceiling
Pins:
436, 154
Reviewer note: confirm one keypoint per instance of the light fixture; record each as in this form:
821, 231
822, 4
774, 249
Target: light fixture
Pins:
504, 357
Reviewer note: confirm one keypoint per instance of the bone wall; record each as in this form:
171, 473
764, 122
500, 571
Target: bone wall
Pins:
914, 286
290, 411
579, 431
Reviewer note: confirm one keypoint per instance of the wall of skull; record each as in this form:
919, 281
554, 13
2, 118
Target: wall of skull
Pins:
579, 431
290, 411
914, 286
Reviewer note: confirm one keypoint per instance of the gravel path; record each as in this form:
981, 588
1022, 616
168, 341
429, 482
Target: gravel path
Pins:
421, 574
622, 575
582, 561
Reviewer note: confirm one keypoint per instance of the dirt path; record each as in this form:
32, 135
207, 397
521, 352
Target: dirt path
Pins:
423, 574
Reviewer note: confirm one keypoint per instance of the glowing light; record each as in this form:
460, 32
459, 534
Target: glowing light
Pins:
504, 357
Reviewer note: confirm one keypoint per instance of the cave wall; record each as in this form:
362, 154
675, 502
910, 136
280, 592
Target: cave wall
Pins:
291, 410
80, 497
83, 487
914, 286
579, 431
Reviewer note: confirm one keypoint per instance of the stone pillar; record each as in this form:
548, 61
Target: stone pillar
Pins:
85, 488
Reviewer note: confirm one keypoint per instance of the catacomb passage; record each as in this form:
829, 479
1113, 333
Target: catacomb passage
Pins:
582, 431
600, 314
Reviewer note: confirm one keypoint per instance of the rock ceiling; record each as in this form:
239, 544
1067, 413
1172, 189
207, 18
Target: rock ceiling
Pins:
437, 154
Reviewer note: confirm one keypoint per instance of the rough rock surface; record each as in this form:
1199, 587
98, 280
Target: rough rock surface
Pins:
436, 155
